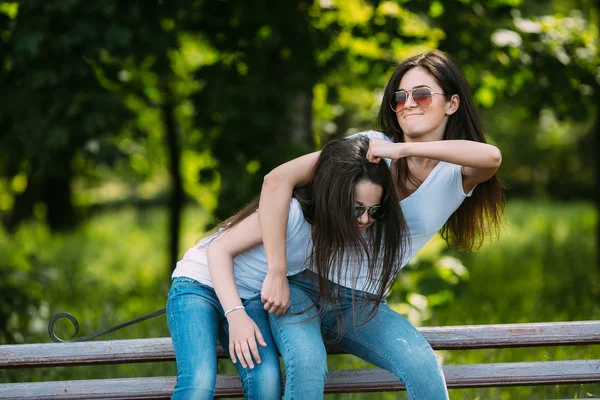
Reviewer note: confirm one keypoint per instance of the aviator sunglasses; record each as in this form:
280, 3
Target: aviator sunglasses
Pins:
423, 96
374, 211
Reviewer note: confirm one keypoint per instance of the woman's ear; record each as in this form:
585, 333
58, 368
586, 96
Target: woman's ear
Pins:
453, 104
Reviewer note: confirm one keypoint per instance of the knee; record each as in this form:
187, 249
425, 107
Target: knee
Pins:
423, 377
305, 374
194, 385
193, 393
195, 382
306, 363
426, 358
262, 382
421, 364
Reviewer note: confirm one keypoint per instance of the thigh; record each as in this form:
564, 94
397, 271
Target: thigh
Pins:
299, 329
256, 311
388, 337
298, 337
193, 319
264, 381
390, 341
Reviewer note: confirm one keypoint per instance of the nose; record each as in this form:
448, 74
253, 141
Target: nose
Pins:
364, 219
410, 103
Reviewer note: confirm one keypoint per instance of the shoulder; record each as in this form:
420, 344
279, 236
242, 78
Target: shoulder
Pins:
452, 173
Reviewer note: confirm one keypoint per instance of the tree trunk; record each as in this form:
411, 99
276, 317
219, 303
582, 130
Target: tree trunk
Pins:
23, 207
51, 187
177, 196
596, 133
301, 129
56, 195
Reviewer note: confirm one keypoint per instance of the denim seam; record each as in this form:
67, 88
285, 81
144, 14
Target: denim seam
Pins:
172, 322
288, 350
249, 384
384, 356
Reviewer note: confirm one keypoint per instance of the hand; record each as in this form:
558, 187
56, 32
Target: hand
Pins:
243, 335
275, 293
379, 148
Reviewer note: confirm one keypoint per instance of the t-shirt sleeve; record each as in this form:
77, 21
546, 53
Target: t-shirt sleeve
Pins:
295, 219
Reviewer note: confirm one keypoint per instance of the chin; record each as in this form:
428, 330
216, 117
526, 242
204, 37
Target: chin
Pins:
413, 135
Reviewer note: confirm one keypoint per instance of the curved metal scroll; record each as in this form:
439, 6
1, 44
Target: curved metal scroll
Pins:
71, 318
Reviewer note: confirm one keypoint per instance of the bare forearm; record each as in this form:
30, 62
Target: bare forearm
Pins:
462, 152
220, 265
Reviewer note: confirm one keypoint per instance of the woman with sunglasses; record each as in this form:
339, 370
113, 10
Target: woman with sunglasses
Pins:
445, 177
216, 286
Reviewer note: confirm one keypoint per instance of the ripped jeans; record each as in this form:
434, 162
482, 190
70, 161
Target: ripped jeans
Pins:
387, 340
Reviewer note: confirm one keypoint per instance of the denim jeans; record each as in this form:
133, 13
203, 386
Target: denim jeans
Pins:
387, 340
196, 320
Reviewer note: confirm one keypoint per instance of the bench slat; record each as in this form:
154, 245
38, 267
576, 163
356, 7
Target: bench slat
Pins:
338, 381
440, 338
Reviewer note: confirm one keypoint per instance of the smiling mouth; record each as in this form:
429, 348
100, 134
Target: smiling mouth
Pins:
411, 115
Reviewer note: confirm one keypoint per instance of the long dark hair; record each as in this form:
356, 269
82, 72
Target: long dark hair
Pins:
339, 248
483, 211
327, 203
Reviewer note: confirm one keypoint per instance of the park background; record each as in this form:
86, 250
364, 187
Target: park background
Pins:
129, 128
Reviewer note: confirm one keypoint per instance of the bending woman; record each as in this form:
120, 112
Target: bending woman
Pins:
216, 286
445, 176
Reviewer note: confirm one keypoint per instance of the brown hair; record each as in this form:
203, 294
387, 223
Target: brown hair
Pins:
482, 212
327, 203
339, 248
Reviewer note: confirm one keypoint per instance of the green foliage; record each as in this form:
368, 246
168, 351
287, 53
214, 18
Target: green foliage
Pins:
542, 269
110, 270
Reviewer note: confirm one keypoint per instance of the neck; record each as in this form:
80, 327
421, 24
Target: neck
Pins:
421, 163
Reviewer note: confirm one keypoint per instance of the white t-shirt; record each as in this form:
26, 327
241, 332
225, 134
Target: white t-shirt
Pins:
250, 267
425, 211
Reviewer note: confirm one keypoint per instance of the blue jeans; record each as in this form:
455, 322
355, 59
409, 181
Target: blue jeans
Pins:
195, 319
387, 340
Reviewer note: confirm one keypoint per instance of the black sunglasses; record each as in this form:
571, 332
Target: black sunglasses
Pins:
374, 212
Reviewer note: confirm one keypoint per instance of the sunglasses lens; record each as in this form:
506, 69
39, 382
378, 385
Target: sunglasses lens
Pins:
375, 212
358, 211
398, 101
422, 97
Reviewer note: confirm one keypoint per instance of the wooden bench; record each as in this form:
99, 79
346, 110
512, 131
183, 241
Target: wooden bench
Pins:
338, 381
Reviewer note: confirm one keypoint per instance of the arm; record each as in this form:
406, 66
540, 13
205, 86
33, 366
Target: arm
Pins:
243, 332
480, 161
273, 212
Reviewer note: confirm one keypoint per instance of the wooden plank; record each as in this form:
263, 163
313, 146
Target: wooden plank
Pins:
161, 349
86, 353
475, 375
338, 381
513, 335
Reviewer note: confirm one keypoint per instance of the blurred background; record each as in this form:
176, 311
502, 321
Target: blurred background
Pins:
129, 128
